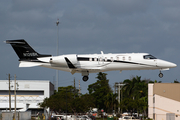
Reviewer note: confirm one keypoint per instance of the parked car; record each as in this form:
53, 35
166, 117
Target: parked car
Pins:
83, 117
128, 118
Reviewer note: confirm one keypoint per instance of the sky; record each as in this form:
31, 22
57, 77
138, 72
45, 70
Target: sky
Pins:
88, 27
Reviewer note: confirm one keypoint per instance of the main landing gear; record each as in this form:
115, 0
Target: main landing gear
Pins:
85, 78
160, 75
85, 75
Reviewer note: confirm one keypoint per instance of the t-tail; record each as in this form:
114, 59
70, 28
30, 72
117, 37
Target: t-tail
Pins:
24, 51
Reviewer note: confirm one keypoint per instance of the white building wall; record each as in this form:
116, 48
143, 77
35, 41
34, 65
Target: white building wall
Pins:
32, 86
159, 106
165, 105
150, 100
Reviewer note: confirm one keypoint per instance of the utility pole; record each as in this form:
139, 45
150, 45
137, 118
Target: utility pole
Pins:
9, 93
57, 71
79, 89
115, 93
15, 88
66, 103
15, 97
119, 94
74, 87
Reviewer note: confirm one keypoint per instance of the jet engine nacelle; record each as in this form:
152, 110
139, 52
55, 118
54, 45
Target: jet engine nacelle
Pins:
60, 60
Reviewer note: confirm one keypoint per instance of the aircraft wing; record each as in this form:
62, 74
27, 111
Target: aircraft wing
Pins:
81, 69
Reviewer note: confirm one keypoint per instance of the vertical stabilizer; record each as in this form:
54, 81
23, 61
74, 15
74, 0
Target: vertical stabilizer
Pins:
24, 50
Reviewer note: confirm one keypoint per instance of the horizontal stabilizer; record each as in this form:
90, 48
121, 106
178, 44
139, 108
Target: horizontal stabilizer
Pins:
29, 64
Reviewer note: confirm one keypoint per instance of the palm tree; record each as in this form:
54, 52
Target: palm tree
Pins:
155, 81
131, 86
176, 81
135, 91
110, 101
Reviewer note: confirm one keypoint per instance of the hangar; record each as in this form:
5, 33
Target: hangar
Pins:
28, 94
164, 101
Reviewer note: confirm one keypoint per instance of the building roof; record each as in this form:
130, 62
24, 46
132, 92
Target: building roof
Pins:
168, 90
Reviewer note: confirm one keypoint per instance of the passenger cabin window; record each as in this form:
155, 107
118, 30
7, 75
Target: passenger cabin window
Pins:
123, 58
129, 58
95, 59
100, 59
111, 58
105, 59
149, 57
117, 58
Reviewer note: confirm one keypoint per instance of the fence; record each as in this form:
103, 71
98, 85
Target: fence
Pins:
19, 116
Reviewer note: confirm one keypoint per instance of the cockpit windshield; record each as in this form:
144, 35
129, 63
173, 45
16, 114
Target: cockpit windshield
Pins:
149, 57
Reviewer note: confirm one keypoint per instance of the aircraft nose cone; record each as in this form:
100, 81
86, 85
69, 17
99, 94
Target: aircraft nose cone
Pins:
170, 65
173, 65
166, 64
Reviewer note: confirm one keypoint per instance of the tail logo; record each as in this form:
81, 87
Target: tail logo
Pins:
30, 54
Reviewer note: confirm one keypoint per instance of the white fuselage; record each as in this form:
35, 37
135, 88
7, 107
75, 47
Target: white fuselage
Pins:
93, 63
87, 63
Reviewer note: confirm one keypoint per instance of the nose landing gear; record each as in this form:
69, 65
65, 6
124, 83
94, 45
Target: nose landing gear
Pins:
160, 75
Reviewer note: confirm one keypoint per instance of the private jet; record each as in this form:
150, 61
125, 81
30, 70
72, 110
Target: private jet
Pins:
88, 63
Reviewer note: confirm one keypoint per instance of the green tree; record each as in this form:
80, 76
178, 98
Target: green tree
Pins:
59, 102
155, 81
66, 100
110, 101
176, 81
83, 103
99, 91
135, 92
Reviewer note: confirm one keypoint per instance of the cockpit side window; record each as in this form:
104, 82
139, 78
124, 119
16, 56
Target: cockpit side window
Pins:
149, 57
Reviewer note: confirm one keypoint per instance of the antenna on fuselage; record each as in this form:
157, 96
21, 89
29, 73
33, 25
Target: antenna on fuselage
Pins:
102, 52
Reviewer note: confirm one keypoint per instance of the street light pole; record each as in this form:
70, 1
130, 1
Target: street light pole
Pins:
57, 72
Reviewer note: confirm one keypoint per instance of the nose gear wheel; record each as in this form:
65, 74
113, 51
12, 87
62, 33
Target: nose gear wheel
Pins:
160, 75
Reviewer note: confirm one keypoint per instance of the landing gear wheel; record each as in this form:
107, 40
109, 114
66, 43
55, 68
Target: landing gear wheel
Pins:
160, 75
85, 78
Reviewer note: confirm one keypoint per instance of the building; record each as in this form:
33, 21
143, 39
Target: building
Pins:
164, 101
28, 94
